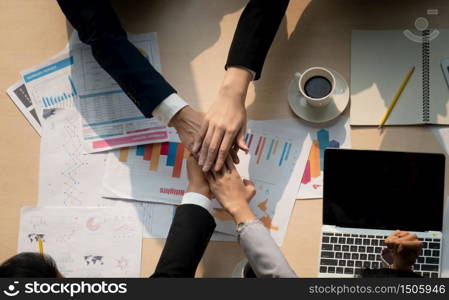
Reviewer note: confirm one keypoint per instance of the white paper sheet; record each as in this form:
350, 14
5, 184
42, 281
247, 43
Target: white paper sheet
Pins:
85, 242
21, 98
66, 176
69, 178
155, 172
336, 134
275, 158
50, 84
110, 119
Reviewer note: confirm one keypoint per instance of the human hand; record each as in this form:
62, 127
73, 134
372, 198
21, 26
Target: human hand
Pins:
225, 123
405, 248
232, 192
197, 181
187, 123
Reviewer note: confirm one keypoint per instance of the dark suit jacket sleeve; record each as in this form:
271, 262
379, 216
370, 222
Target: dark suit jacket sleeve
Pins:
255, 32
98, 26
187, 240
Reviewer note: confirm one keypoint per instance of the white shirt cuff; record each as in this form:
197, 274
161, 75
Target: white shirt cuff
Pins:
197, 199
165, 111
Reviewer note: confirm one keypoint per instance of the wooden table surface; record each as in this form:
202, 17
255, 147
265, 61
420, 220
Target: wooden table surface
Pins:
194, 37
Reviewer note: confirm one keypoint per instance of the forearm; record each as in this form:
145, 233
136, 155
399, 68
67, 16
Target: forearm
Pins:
98, 26
187, 240
235, 85
255, 32
262, 252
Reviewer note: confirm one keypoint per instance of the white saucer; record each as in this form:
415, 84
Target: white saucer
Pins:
319, 114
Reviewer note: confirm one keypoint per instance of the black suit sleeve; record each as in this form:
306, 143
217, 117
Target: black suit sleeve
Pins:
187, 240
98, 26
255, 32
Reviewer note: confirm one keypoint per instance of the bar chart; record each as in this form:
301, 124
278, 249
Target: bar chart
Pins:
268, 148
315, 162
174, 153
51, 101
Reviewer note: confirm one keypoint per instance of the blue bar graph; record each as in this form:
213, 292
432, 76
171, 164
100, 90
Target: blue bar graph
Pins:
140, 150
270, 149
283, 153
55, 99
288, 151
171, 154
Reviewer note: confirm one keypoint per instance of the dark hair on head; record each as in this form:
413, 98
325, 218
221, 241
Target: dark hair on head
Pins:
29, 264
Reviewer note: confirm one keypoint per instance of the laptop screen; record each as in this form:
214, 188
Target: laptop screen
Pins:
383, 190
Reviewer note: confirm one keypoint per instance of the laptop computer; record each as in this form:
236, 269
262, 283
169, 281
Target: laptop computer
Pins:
369, 194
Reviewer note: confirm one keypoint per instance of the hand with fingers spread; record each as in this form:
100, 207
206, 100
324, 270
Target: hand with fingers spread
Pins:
197, 181
405, 248
224, 125
232, 192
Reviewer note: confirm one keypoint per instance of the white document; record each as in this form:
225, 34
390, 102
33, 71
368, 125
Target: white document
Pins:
85, 241
154, 172
50, 84
336, 135
69, 178
21, 98
110, 119
275, 159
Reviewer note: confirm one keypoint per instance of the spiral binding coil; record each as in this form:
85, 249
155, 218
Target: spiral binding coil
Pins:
426, 76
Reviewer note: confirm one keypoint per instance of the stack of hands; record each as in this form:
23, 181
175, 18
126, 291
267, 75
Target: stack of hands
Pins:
225, 185
220, 132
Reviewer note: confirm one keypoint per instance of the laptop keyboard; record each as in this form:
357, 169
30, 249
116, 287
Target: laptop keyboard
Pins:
350, 253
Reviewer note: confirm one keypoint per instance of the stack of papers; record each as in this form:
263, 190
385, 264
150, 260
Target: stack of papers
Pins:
81, 114
99, 154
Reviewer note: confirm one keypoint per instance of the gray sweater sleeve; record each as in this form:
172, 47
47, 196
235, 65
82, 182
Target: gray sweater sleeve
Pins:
262, 252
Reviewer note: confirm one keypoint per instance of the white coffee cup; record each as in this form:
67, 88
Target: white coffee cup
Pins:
311, 73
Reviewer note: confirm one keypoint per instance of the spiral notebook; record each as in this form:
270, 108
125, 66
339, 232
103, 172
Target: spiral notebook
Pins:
380, 59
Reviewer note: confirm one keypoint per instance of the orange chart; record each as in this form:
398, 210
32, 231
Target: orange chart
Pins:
175, 153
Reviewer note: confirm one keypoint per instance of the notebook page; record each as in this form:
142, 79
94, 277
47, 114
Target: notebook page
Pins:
380, 60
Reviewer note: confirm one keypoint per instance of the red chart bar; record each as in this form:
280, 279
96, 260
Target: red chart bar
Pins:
164, 148
178, 161
250, 140
147, 152
262, 146
258, 145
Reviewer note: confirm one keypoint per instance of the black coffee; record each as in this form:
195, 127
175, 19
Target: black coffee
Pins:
317, 87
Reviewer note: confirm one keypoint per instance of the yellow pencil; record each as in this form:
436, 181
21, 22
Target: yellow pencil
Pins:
396, 97
41, 247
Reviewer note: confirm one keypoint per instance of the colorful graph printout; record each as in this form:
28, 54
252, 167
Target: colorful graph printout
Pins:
273, 160
337, 135
154, 172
